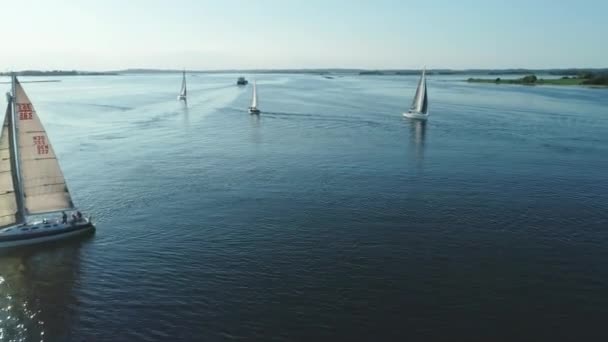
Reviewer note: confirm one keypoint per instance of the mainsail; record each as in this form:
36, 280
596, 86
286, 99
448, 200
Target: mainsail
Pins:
42, 183
183, 91
254, 100
420, 102
8, 200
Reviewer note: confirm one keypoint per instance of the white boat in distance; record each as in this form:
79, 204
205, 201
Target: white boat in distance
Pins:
31, 181
253, 109
183, 91
420, 104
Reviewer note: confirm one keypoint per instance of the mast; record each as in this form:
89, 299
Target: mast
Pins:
14, 151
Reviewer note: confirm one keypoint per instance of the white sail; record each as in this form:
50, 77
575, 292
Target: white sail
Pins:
420, 102
8, 202
254, 100
425, 100
42, 183
183, 91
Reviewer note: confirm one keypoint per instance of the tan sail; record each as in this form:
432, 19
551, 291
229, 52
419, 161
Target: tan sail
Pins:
44, 188
8, 202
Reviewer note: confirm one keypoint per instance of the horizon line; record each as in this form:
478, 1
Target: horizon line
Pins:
305, 69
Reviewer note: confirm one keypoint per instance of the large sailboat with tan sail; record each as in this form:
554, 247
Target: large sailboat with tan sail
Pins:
32, 184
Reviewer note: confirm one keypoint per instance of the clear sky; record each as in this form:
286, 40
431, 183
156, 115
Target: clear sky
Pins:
222, 34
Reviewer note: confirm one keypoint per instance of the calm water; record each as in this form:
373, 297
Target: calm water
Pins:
328, 217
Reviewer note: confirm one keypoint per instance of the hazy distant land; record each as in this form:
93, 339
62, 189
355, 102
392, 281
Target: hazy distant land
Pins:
582, 78
379, 72
570, 76
58, 73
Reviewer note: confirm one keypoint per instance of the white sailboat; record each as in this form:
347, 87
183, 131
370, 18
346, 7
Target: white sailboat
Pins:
31, 181
420, 104
253, 109
183, 91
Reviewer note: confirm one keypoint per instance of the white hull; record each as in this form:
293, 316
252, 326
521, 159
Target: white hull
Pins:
181, 97
416, 115
40, 232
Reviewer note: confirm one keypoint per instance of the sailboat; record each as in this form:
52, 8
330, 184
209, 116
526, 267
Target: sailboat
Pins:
31, 181
253, 109
183, 91
420, 104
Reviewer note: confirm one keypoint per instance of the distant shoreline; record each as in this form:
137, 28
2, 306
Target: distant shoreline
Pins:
321, 71
375, 72
38, 81
542, 81
569, 76
58, 73
582, 79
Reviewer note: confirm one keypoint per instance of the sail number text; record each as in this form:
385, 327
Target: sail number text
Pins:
26, 112
41, 144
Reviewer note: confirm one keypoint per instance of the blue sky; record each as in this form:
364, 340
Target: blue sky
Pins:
201, 34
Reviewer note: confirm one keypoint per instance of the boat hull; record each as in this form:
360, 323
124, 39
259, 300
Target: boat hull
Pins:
43, 233
254, 111
181, 97
416, 115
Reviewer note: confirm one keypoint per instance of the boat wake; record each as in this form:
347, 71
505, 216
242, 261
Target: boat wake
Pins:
144, 123
351, 120
121, 108
217, 88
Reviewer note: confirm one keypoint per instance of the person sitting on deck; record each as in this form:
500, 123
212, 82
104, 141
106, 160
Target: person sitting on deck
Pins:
64, 217
79, 215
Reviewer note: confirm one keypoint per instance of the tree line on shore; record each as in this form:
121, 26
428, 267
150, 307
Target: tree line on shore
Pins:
582, 78
590, 78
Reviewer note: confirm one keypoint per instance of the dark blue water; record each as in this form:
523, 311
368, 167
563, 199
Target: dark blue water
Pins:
329, 217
